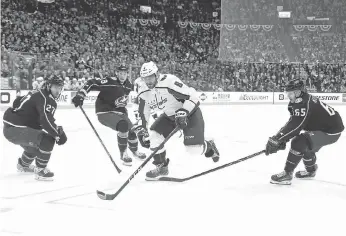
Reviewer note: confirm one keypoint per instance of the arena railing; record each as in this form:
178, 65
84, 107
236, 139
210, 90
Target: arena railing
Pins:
22, 68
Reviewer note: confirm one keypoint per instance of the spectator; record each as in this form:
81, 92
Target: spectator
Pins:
75, 40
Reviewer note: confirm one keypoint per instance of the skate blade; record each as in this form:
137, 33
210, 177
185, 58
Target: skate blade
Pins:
151, 179
154, 179
287, 182
22, 172
43, 178
127, 163
306, 178
139, 159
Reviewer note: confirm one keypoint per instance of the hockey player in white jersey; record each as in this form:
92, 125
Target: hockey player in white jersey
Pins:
180, 106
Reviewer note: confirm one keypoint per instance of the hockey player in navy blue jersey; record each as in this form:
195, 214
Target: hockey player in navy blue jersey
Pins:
30, 123
322, 125
111, 110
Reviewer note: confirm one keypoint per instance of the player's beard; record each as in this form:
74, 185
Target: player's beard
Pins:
151, 82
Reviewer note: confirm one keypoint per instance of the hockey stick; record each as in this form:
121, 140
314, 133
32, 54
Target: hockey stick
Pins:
98, 136
171, 179
105, 196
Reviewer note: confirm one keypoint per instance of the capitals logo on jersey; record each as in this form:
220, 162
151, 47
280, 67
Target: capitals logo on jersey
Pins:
158, 103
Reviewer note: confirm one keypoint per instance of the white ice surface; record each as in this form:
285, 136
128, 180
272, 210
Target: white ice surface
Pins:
237, 200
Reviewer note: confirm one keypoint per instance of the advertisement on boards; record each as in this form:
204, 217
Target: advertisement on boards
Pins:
253, 97
221, 97
325, 97
7, 97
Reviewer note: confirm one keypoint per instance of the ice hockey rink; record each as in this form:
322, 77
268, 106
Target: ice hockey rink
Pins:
237, 200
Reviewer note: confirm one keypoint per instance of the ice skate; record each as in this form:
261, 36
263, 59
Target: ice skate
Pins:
216, 154
127, 161
25, 169
160, 171
283, 178
304, 174
43, 174
139, 155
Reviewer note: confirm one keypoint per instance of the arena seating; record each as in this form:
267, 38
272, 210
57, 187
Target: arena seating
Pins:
79, 39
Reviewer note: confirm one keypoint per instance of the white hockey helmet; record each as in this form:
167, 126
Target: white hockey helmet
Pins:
148, 68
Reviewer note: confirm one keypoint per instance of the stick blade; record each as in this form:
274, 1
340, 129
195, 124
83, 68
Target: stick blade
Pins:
104, 196
170, 179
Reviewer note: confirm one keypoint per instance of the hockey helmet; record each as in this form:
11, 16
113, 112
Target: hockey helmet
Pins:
55, 86
122, 68
56, 80
148, 68
296, 84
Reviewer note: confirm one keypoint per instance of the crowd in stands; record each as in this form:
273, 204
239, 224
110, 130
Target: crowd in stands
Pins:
78, 39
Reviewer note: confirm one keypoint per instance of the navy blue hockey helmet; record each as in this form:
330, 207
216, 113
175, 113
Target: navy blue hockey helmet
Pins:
56, 80
122, 68
53, 80
296, 84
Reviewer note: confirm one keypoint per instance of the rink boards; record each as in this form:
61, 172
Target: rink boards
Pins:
210, 98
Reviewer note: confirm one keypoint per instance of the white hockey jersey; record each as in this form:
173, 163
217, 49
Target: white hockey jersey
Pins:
169, 95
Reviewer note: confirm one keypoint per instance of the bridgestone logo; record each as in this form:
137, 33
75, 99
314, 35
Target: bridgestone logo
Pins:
328, 98
253, 97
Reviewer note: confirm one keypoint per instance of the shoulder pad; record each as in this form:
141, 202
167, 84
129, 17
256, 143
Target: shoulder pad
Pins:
136, 81
314, 98
298, 100
163, 78
168, 79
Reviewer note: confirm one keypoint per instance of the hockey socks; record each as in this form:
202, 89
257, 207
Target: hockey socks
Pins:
132, 142
309, 160
42, 159
122, 141
26, 159
293, 160
160, 158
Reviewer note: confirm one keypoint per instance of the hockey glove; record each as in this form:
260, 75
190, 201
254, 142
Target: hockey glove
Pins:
62, 138
181, 119
274, 145
142, 135
78, 100
121, 101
